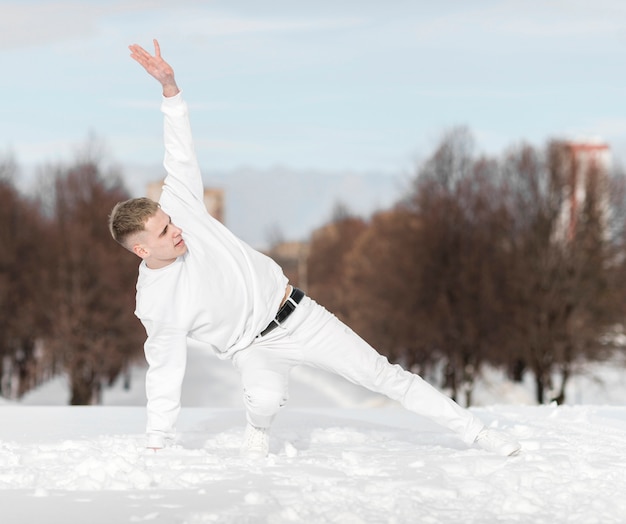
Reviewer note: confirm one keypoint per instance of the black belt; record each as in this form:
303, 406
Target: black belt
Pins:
283, 313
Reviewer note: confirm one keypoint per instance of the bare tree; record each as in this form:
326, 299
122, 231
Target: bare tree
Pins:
23, 262
381, 287
95, 335
463, 228
326, 264
560, 301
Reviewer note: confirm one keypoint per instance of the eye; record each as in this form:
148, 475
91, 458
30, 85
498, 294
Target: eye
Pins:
166, 227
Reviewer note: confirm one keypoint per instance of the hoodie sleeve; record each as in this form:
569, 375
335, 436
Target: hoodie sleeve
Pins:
166, 354
184, 178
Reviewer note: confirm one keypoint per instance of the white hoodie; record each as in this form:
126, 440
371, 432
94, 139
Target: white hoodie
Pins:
221, 292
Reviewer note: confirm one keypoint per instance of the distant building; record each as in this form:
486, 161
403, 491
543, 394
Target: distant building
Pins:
213, 198
583, 165
292, 258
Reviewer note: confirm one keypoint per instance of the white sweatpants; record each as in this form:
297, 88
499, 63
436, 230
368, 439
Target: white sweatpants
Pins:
313, 336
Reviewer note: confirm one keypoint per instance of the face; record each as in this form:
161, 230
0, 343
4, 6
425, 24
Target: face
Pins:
160, 243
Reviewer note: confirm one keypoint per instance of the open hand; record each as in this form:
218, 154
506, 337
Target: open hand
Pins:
156, 67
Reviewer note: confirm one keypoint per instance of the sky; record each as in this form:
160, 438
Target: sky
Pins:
360, 87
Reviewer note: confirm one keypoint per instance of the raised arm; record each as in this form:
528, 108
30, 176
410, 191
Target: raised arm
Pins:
156, 67
184, 178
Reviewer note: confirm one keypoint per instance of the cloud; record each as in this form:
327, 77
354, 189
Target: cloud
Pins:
518, 19
27, 24
38, 22
211, 24
556, 19
611, 126
34, 23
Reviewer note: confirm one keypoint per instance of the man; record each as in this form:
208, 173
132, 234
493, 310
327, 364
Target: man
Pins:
198, 280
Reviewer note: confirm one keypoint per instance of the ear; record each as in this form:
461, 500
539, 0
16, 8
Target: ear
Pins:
140, 251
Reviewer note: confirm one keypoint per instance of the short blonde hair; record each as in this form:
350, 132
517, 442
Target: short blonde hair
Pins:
130, 217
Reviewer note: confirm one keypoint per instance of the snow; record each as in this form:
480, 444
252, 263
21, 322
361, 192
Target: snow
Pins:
338, 454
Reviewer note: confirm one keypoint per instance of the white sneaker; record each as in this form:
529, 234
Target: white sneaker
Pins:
498, 442
256, 442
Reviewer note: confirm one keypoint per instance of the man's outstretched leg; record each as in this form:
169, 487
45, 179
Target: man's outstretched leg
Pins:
333, 346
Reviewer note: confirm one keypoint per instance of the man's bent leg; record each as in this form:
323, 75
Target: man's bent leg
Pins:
265, 385
264, 379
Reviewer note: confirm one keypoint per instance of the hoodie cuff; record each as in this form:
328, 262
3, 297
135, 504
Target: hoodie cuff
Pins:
174, 105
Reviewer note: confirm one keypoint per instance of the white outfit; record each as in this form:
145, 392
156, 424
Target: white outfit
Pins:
223, 293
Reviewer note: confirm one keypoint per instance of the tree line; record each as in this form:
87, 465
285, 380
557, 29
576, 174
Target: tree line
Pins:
482, 261
66, 290
515, 261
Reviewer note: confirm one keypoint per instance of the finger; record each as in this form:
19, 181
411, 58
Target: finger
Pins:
157, 48
136, 48
137, 51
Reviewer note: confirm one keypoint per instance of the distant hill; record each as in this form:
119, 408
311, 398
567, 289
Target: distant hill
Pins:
261, 202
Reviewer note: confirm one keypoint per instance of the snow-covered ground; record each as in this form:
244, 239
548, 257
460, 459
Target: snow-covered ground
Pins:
339, 454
